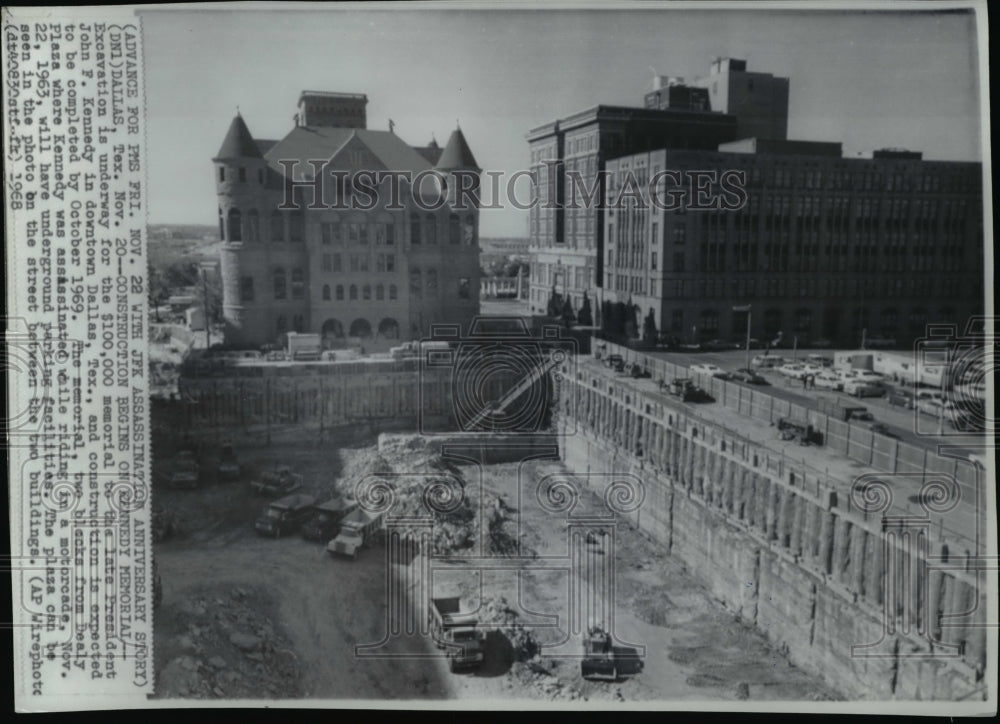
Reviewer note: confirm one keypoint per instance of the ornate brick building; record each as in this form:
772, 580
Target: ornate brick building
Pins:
370, 276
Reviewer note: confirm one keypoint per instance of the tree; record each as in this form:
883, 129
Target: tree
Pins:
568, 315
585, 317
555, 304
631, 325
649, 331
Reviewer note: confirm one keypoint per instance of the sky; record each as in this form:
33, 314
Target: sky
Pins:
866, 79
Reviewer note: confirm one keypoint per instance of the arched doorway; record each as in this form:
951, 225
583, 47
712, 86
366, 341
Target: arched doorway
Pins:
360, 328
389, 328
331, 331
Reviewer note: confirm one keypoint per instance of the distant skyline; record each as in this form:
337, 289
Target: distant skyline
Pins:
866, 79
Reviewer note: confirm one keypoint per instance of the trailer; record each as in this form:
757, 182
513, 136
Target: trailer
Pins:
843, 411
303, 346
357, 531
457, 632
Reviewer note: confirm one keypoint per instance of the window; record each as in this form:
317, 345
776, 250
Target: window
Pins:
363, 262
416, 284
463, 288
242, 175
366, 292
432, 282
298, 284
222, 173
260, 176
392, 291
235, 225
297, 226
679, 261
414, 229
279, 283
326, 292
390, 262
390, 235
340, 292
431, 229
246, 289
653, 262
252, 230
454, 230
353, 292
222, 225
277, 226
353, 233
469, 231
363, 234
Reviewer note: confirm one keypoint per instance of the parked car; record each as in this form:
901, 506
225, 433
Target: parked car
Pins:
860, 387
719, 345
710, 369
829, 381
792, 370
749, 376
767, 361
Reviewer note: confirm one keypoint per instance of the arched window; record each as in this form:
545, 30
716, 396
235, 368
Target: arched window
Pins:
379, 292
332, 328
222, 220
235, 225
454, 230
416, 284
298, 284
277, 226
252, 231
432, 283
354, 292
340, 292
326, 292
469, 230
389, 328
392, 292
430, 233
366, 292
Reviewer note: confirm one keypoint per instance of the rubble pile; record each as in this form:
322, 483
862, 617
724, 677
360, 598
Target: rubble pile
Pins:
229, 650
496, 613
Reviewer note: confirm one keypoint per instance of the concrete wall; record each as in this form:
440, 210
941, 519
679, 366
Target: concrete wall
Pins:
785, 550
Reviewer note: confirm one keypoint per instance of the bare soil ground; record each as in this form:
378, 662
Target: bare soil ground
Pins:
249, 617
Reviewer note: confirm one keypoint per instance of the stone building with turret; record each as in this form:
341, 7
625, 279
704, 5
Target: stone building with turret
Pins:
359, 264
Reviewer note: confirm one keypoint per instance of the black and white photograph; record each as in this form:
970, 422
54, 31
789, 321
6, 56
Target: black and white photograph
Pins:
478, 355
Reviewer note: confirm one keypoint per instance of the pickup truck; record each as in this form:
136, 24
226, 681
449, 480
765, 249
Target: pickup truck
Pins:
357, 530
325, 521
285, 515
280, 481
456, 632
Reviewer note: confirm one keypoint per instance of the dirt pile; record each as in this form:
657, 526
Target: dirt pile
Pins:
229, 649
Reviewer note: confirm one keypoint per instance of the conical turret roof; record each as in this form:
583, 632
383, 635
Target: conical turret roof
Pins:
457, 153
238, 142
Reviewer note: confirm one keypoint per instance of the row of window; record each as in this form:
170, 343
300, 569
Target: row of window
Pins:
239, 174
420, 282
384, 263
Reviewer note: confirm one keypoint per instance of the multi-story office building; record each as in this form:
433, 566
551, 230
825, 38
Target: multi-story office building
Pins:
566, 241
354, 275
824, 247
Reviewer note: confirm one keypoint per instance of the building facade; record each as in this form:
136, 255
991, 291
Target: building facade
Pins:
565, 241
358, 276
825, 248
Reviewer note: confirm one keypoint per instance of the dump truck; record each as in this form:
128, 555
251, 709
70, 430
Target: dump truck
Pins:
324, 523
285, 515
229, 466
279, 481
603, 661
456, 632
357, 530
843, 410
688, 391
185, 472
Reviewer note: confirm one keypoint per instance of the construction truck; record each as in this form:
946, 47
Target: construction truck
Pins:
456, 632
844, 411
799, 430
357, 531
285, 515
603, 661
229, 466
305, 347
326, 518
280, 481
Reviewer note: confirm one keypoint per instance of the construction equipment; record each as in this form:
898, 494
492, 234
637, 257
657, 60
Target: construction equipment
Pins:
280, 481
229, 466
456, 632
357, 530
801, 432
285, 515
688, 391
326, 518
598, 656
